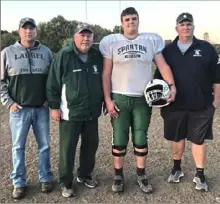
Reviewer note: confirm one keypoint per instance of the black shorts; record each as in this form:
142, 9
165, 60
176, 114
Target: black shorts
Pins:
195, 126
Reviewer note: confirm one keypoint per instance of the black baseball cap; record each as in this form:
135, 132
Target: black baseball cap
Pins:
23, 21
184, 17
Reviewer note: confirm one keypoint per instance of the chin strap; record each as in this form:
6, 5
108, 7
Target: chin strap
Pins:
160, 106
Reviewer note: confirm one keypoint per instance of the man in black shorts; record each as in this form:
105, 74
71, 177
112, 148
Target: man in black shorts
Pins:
196, 69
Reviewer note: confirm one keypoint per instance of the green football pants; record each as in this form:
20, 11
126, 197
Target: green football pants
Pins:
135, 114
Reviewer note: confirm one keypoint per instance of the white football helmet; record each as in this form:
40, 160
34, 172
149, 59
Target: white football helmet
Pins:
156, 93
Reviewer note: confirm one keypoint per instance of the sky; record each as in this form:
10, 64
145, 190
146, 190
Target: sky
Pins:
155, 16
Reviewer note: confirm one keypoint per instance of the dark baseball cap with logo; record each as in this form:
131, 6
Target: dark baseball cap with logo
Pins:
26, 20
184, 17
83, 27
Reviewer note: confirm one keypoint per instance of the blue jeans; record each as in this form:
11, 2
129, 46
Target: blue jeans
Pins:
20, 122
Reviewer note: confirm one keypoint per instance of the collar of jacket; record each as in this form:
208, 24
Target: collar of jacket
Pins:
37, 45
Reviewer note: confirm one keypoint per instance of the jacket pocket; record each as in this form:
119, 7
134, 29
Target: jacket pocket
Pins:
95, 85
72, 87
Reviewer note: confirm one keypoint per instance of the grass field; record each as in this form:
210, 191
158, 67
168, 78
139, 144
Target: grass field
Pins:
158, 168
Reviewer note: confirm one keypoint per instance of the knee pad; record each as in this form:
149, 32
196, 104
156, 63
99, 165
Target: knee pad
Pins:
122, 149
140, 154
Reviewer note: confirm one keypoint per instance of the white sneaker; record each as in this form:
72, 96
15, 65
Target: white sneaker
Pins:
67, 192
200, 184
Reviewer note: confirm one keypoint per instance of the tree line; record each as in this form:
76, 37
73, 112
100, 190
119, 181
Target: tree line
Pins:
55, 33
58, 32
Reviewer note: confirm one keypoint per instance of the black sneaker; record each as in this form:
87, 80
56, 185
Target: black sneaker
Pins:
19, 193
46, 187
175, 176
118, 184
144, 184
88, 181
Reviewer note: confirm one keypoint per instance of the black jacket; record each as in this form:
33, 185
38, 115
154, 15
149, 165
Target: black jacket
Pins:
194, 72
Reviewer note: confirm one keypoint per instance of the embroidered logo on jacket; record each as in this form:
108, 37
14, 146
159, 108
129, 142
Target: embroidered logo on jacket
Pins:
77, 70
95, 69
197, 53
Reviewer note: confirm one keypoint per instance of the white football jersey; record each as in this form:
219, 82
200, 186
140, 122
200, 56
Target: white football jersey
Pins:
132, 61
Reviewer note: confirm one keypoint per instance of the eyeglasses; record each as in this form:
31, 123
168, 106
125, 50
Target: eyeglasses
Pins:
128, 19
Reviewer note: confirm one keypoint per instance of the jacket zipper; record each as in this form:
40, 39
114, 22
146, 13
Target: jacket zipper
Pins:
87, 81
29, 60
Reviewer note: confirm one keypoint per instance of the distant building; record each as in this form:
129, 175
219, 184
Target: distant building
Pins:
217, 46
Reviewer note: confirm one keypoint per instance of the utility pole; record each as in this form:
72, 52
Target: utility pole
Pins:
120, 15
86, 10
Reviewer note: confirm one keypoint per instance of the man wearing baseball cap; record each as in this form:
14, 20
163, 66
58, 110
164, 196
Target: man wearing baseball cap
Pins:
24, 72
196, 70
184, 17
83, 27
74, 92
27, 20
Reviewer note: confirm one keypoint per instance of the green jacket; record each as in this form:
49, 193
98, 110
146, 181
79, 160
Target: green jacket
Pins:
75, 87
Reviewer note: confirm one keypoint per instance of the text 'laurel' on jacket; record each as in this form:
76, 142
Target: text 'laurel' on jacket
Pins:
75, 86
24, 74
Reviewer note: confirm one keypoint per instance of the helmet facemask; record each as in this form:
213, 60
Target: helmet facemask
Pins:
156, 93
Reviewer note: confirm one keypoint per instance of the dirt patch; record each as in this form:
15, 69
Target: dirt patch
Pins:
158, 168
